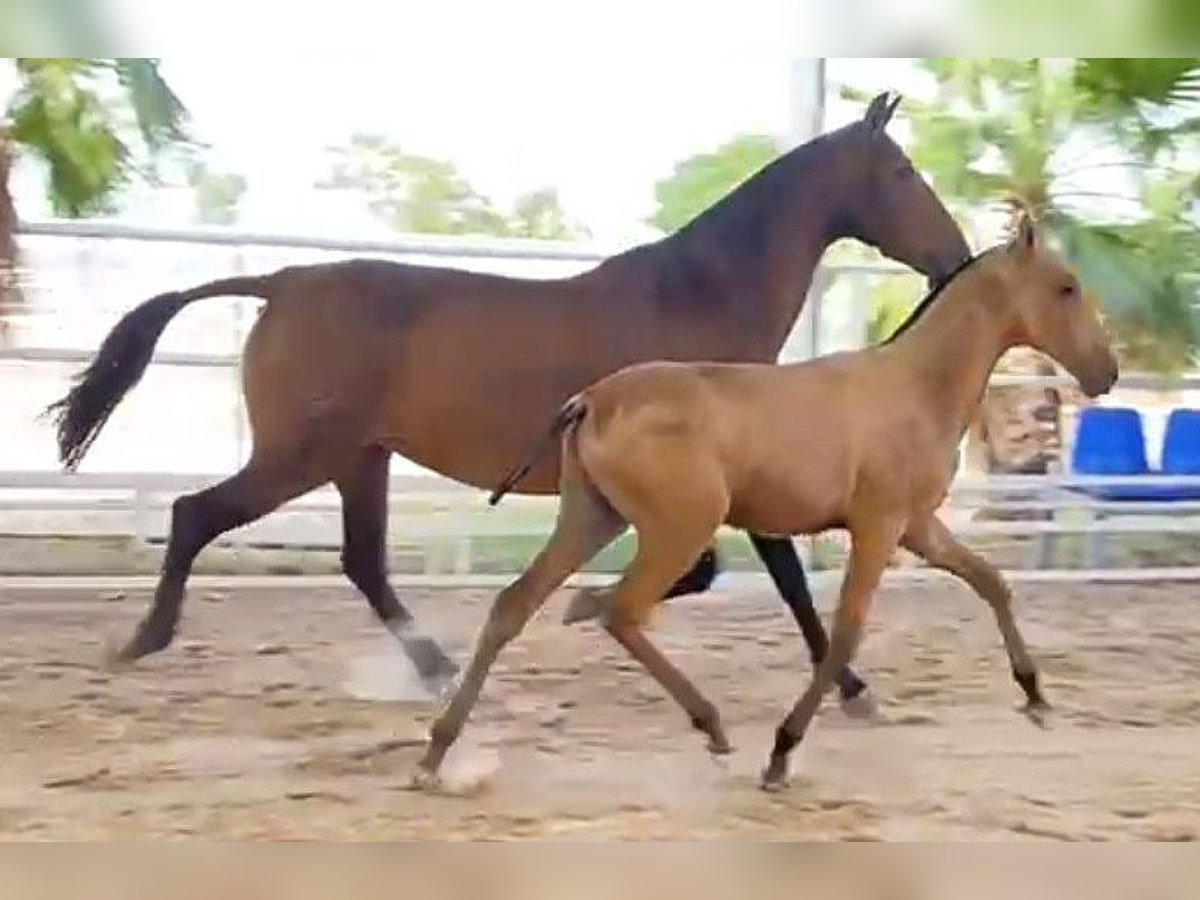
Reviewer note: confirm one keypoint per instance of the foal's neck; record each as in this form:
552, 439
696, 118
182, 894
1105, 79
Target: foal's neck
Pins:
950, 352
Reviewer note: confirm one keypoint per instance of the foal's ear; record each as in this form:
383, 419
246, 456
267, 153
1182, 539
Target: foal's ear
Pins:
1026, 238
880, 112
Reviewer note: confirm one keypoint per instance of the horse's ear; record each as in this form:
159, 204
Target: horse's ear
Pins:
1025, 236
880, 111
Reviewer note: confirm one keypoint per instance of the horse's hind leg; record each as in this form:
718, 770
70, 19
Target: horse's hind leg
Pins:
196, 520
364, 560
787, 572
586, 524
699, 577
696, 580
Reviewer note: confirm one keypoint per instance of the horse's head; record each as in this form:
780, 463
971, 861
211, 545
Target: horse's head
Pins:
893, 209
1051, 312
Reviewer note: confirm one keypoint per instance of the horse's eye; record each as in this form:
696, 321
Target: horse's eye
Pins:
904, 171
1067, 291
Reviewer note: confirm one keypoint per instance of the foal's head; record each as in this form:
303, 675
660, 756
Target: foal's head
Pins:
892, 208
1051, 312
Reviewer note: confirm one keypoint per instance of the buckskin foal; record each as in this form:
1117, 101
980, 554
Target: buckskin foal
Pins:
867, 441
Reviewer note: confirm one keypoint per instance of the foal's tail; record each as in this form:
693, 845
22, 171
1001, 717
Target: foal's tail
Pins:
122, 360
571, 412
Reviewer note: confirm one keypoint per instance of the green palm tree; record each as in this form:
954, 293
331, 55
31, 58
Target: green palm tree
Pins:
1104, 151
92, 123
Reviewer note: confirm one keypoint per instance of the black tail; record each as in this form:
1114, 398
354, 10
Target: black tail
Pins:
572, 411
122, 360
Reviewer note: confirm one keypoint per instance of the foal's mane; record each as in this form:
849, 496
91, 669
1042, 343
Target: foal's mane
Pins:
928, 300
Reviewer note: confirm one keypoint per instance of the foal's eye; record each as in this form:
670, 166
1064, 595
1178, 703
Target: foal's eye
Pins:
1067, 291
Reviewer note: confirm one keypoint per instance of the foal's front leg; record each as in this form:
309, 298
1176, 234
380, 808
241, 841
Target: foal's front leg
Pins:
585, 525
871, 546
932, 541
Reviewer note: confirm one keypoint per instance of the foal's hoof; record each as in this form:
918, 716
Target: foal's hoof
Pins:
582, 607
861, 707
1037, 713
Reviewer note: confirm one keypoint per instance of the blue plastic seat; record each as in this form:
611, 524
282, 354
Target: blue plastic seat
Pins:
1181, 451
1181, 443
1111, 441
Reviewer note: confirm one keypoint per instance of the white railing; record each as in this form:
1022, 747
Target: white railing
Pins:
427, 510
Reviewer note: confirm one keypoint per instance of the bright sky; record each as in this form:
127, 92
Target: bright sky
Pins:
520, 95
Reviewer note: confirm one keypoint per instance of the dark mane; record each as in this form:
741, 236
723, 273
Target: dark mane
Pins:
725, 244
736, 221
920, 309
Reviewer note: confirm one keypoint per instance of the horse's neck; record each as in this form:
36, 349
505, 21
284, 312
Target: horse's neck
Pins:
765, 244
949, 354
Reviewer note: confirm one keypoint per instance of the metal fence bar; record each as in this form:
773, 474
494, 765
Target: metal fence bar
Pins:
145, 493
405, 245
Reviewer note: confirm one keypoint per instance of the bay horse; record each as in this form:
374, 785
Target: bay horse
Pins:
351, 361
866, 441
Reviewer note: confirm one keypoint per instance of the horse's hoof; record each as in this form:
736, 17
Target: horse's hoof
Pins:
433, 666
425, 781
1038, 714
775, 776
861, 707
441, 687
772, 785
718, 745
582, 607
114, 658
117, 657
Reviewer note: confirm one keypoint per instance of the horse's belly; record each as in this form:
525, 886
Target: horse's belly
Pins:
476, 432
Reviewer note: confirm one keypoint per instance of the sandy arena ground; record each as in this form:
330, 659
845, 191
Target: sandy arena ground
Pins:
280, 715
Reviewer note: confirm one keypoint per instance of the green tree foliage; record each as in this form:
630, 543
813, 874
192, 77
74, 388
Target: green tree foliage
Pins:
217, 194
1104, 151
89, 121
699, 181
422, 194
540, 214
892, 301
92, 123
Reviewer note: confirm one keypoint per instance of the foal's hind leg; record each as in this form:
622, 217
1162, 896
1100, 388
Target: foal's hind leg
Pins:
934, 542
660, 558
783, 563
197, 519
586, 524
364, 560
